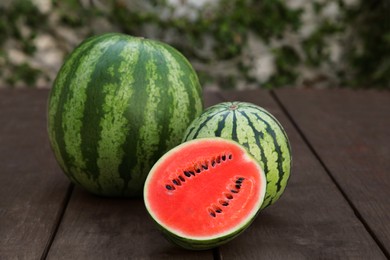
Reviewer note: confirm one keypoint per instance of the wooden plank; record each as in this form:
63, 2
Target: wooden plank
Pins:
32, 190
312, 220
99, 228
350, 132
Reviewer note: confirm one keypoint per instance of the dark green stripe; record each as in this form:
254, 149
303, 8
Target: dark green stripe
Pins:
281, 130
221, 124
234, 127
204, 122
65, 96
91, 130
280, 159
136, 115
165, 102
187, 82
189, 132
258, 136
275, 120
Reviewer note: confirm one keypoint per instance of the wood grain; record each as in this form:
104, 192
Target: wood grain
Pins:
99, 228
33, 189
350, 132
335, 206
312, 220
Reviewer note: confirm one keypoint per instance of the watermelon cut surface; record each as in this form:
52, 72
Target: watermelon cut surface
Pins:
204, 192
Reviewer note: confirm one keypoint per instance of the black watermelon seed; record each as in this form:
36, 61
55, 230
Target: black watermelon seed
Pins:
182, 178
241, 179
212, 213
230, 156
238, 181
234, 191
187, 174
218, 210
218, 159
238, 186
223, 157
197, 170
176, 182
228, 196
224, 203
213, 163
169, 187
205, 167
192, 173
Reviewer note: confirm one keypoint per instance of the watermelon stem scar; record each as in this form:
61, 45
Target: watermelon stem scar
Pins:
233, 107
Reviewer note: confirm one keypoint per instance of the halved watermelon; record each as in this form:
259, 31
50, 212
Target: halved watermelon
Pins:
204, 192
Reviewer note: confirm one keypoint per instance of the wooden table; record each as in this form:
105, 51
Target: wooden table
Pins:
336, 205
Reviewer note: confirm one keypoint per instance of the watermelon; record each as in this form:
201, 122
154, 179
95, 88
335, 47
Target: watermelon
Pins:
204, 192
258, 131
118, 103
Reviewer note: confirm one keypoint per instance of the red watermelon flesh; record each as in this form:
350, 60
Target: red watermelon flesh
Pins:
205, 191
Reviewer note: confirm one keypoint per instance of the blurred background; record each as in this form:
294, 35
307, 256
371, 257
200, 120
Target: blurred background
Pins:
232, 44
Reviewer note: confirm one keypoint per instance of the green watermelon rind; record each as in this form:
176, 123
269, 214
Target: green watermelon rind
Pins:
258, 131
118, 103
205, 242
197, 244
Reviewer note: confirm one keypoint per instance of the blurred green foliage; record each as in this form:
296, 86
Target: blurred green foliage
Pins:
228, 27
369, 54
221, 34
25, 10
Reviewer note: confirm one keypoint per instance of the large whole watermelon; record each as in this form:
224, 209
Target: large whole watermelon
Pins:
258, 131
119, 103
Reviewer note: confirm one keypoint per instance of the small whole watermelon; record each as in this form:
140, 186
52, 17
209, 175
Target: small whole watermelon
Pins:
117, 105
258, 131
